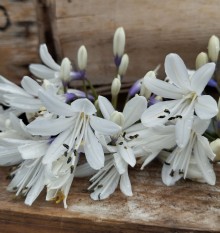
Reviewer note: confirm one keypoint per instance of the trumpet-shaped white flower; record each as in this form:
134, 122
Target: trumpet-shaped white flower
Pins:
75, 125
186, 91
130, 115
177, 164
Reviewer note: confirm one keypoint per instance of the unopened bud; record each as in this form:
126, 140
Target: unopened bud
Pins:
201, 60
97, 105
116, 86
118, 118
158, 98
215, 146
65, 69
82, 57
123, 65
213, 48
145, 92
119, 42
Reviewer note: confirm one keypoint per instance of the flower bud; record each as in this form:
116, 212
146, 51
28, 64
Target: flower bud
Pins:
119, 42
145, 92
65, 69
213, 48
97, 105
82, 57
118, 118
201, 59
123, 65
215, 146
116, 86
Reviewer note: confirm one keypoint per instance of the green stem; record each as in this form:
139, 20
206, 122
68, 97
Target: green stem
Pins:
85, 88
92, 89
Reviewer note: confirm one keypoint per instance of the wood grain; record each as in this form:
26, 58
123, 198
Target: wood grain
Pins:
154, 28
186, 207
18, 38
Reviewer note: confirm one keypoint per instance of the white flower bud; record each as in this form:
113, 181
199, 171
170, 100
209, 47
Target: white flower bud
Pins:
159, 98
145, 92
119, 42
213, 48
201, 59
123, 65
82, 57
97, 105
215, 146
65, 69
116, 86
118, 118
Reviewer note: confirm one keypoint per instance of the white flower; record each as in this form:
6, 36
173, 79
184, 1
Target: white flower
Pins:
186, 91
75, 125
131, 114
177, 163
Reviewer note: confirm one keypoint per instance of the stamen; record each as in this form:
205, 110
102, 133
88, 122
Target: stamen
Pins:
166, 163
166, 111
69, 160
66, 146
71, 169
172, 173
163, 116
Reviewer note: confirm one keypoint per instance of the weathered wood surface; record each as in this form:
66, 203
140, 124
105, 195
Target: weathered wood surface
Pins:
18, 38
154, 28
186, 207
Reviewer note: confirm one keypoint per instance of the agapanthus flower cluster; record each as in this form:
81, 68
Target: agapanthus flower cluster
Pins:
52, 133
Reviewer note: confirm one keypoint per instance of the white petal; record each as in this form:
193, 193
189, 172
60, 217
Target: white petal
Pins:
120, 164
183, 130
93, 150
163, 88
104, 126
200, 126
22, 103
47, 59
149, 159
41, 71
55, 105
125, 184
30, 86
201, 77
83, 105
35, 190
49, 127
206, 146
56, 149
105, 107
84, 170
127, 154
206, 107
34, 149
176, 71
203, 163
151, 116
133, 110
12, 89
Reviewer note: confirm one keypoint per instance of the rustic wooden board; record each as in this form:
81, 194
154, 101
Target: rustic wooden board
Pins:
186, 207
154, 28
18, 38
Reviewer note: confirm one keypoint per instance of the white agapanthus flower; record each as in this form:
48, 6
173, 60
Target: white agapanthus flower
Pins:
121, 154
177, 164
186, 92
75, 127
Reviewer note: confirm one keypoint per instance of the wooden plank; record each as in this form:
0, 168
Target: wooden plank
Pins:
18, 38
186, 207
154, 28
